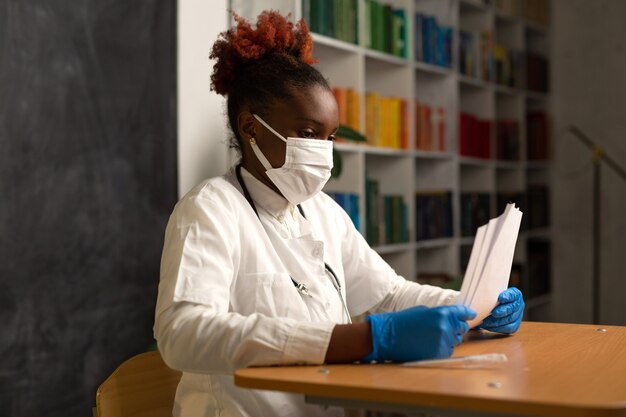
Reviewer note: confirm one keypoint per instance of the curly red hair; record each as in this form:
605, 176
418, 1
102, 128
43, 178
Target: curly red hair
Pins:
241, 45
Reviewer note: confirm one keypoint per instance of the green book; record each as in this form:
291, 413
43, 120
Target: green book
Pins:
388, 218
322, 27
338, 18
316, 9
354, 21
399, 33
387, 28
306, 12
330, 18
379, 27
367, 40
397, 214
405, 221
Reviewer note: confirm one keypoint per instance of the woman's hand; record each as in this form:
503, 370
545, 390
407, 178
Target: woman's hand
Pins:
418, 333
506, 317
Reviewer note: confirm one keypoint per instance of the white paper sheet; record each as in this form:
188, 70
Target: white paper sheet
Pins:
489, 267
483, 254
471, 266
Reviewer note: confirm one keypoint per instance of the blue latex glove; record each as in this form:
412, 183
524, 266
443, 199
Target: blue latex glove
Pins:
506, 317
418, 333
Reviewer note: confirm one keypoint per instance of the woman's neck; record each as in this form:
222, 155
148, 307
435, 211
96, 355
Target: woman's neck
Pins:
258, 171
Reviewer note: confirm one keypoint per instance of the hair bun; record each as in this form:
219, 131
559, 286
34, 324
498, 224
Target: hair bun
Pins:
242, 45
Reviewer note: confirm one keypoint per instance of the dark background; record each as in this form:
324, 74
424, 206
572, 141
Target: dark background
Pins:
87, 182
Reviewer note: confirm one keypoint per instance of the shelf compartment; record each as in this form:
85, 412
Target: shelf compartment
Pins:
439, 260
476, 162
473, 82
473, 5
432, 69
333, 43
394, 248
374, 55
434, 243
433, 155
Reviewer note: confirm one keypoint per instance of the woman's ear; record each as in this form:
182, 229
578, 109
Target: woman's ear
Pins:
246, 126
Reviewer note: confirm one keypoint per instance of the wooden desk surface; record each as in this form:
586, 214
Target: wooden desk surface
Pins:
554, 369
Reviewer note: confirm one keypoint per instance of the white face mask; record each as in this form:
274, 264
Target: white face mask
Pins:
307, 166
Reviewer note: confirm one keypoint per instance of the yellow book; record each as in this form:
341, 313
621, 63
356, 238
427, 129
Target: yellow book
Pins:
356, 110
371, 104
386, 122
396, 123
353, 110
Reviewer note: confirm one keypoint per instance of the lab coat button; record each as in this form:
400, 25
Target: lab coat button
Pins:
281, 218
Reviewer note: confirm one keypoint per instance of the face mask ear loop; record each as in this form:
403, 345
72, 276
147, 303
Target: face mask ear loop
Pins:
259, 155
269, 128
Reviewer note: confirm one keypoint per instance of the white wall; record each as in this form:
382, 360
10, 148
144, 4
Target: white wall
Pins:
202, 134
588, 68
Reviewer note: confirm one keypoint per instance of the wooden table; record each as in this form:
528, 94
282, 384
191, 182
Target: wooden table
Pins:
567, 370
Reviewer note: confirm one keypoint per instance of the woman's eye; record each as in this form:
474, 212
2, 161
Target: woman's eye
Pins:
307, 134
332, 138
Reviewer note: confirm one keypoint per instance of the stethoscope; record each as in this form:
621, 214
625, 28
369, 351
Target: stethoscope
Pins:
302, 288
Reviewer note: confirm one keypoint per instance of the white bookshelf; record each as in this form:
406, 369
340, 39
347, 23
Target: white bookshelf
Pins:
406, 172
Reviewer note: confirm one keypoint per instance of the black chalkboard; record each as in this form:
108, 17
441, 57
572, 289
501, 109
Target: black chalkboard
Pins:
87, 182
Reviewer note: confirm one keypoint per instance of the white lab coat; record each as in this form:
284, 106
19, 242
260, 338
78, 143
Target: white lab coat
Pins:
226, 299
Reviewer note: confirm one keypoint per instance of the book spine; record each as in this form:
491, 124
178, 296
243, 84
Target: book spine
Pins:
418, 42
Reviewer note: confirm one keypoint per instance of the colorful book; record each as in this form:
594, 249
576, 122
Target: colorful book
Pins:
507, 140
474, 136
386, 121
433, 215
334, 18
385, 28
537, 136
432, 41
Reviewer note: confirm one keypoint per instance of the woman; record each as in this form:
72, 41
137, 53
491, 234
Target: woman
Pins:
261, 268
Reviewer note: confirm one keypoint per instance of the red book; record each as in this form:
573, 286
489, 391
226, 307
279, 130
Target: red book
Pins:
465, 133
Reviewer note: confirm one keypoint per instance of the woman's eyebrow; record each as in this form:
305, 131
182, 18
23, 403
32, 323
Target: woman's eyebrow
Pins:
317, 122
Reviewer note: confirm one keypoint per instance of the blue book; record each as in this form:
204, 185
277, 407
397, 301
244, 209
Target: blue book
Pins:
448, 46
418, 42
443, 50
354, 210
340, 199
429, 33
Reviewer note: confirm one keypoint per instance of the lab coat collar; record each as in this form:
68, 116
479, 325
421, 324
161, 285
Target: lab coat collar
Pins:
266, 198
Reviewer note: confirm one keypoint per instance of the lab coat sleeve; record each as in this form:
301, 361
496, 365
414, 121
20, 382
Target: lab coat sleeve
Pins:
405, 294
196, 338
372, 285
195, 328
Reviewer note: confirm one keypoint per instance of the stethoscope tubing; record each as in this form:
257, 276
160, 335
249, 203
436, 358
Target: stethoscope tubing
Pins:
300, 287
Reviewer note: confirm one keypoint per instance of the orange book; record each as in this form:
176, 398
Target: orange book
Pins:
342, 104
442, 129
426, 128
418, 125
349, 105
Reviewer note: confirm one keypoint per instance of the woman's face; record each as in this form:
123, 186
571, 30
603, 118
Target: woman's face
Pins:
311, 113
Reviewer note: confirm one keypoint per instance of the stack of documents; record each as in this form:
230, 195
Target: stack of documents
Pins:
489, 267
